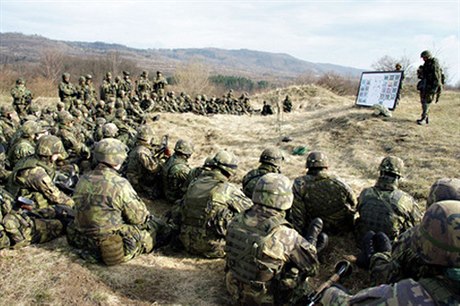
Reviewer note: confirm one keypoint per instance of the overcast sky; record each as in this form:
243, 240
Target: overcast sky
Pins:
349, 33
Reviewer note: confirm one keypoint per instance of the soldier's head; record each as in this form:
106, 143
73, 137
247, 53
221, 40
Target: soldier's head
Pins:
110, 151
226, 162
108, 75
272, 156
50, 147
126, 75
120, 113
398, 66
21, 81
425, 55
144, 74
444, 189
109, 130
158, 73
100, 121
65, 118
317, 160
88, 78
392, 166
66, 76
184, 148
6, 110
81, 80
273, 190
145, 133
32, 130
436, 239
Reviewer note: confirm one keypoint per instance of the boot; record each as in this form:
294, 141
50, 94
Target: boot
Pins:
426, 120
313, 231
381, 243
322, 243
367, 250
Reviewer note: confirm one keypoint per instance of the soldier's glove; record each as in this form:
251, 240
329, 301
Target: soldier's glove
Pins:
381, 243
367, 250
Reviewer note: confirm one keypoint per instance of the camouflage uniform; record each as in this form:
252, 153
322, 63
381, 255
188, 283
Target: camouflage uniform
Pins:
90, 92
268, 261
198, 171
270, 162
67, 91
159, 84
126, 85
324, 195
175, 171
32, 177
4, 173
444, 189
112, 223
435, 242
144, 86
430, 83
287, 105
208, 206
144, 169
73, 144
22, 98
108, 88
385, 208
8, 125
24, 146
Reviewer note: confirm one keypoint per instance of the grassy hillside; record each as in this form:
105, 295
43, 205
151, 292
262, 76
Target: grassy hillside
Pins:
352, 137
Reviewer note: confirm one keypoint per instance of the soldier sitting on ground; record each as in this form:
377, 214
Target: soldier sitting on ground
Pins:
268, 262
270, 162
208, 206
321, 194
112, 223
384, 207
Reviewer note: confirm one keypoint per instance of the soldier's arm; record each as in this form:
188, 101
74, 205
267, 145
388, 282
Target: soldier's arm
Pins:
133, 208
41, 181
149, 162
298, 214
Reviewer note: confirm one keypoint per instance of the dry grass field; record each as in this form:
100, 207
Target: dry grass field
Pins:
352, 137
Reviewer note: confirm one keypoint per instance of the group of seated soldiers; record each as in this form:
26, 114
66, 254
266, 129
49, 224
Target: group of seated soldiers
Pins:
86, 179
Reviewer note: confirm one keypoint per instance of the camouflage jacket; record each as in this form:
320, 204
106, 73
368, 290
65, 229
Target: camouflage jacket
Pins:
105, 201
174, 176
251, 178
387, 209
208, 206
431, 76
22, 148
325, 196
142, 165
21, 95
67, 92
33, 178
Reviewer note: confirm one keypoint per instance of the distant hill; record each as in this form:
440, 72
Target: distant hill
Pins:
17, 47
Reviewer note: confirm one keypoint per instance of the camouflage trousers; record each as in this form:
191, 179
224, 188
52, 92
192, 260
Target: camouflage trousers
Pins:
135, 241
426, 100
202, 242
24, 230
4, 240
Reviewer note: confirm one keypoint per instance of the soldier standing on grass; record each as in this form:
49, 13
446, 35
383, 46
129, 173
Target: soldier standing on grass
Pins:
22, 97
430, 83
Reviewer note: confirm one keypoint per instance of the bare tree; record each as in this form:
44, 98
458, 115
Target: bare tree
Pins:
51, 64
388, 63
193, 78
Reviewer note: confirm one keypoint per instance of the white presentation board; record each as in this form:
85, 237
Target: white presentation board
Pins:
379, 87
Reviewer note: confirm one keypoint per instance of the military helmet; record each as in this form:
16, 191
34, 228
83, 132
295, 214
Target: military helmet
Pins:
88, 77
108, 74
226, 161
81, 78
393, 165
426, 53
444, 189
100, 121
126, 73
49, 145
273, 190
184, 147
110, 151
272, 156
6, 109
398, 66
109, 130
30, 128
120, 113
144, 73
66, 75
20, 81
65, 117
436, 239
317, 159
146, 133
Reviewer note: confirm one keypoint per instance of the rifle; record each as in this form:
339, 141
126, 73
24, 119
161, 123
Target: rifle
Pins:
342, 269
163, 147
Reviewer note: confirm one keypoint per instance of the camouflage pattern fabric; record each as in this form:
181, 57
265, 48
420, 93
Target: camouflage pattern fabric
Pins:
143, 170
385, 208
260, 244
209, 204
22, 148
430, 83
22, 98
251, 178
287, 105
33, 178
106, 204
67, 93
174, 177
325, 196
